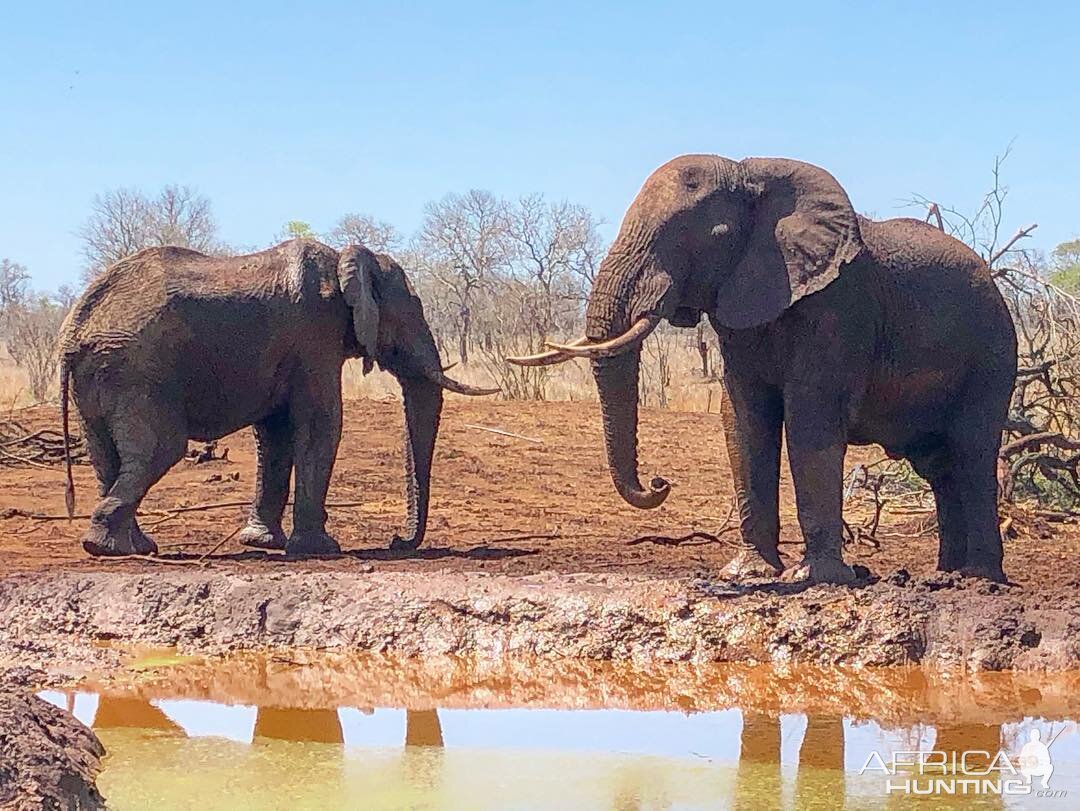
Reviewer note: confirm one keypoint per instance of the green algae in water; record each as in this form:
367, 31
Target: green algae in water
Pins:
159, 659
162, 770
152, 770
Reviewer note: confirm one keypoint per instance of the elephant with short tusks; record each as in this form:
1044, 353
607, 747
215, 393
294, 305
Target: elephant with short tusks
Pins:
834, 329
170, 345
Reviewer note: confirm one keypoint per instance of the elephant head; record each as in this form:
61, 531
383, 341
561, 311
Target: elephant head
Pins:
389, 328
739, 240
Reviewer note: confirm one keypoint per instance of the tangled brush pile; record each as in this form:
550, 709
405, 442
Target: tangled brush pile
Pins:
20, 447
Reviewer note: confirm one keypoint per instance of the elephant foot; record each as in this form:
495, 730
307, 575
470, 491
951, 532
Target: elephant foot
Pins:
824, 570
749, 564
994, 574
399, 544
99, 541
258, 536
311, 542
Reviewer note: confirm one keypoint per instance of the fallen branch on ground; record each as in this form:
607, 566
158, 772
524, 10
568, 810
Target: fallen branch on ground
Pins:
147, 558
665, 540
220, 544
21, 447
726, 526
501, 432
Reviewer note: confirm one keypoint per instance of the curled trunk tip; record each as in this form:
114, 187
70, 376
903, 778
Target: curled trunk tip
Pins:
422, 406
643, 499
617, 385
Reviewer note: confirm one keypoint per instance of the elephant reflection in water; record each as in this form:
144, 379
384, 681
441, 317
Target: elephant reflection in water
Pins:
422, 727
759, 783
114, 712
294, 724
968, 741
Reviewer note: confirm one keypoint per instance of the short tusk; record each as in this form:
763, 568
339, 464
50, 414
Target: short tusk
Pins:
616, 346
546, 358
459, 388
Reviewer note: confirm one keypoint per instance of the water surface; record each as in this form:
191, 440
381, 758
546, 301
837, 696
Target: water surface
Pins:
267, 734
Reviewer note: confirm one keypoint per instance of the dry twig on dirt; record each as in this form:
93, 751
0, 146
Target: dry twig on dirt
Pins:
866, 533
681, 540
501, 432
726, 526
21, 447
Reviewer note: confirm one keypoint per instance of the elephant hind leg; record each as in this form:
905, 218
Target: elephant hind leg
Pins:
952, 536
976, 480
103, 454
973, 444
935, 463
149, 438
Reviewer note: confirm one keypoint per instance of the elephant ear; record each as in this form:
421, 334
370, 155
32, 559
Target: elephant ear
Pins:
803, 231
357, 271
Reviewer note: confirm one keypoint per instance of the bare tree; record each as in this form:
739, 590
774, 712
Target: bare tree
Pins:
462, 243
656, 359
123, 221
181, 216
556, 249
30, 328
13, 279
1040, 454
553, 252
116, 228
363, 229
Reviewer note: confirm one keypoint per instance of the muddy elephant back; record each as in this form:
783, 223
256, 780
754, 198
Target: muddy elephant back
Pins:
120, 303
903, 243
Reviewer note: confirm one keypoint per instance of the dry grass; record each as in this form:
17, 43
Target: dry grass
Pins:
685, 390
569, 382
14, 386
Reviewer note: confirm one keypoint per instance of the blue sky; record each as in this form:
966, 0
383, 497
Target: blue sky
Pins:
281, 111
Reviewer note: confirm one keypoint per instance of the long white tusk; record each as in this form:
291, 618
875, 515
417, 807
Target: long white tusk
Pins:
546, 358
459, 388
616, 346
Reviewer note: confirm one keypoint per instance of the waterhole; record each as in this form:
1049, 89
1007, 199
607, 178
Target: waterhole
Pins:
325, 732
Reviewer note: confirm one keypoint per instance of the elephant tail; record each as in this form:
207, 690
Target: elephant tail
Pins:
65, 417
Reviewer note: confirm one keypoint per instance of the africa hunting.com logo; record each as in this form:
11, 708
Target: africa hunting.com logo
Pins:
973, 772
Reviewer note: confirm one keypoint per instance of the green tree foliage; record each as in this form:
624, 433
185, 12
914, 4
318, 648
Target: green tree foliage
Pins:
1066, 264
298, 229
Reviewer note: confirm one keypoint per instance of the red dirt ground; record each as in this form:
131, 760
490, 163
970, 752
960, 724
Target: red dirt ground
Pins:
500, 503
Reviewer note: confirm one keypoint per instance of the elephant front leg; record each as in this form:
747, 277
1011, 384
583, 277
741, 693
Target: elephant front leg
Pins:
753, 418
273, 444
816, 446
316, 434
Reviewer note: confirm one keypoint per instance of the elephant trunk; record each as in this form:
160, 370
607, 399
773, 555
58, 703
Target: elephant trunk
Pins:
627, 290
617, 384
423, 404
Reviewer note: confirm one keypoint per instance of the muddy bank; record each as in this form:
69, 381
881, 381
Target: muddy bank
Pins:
47, 618
47, 758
